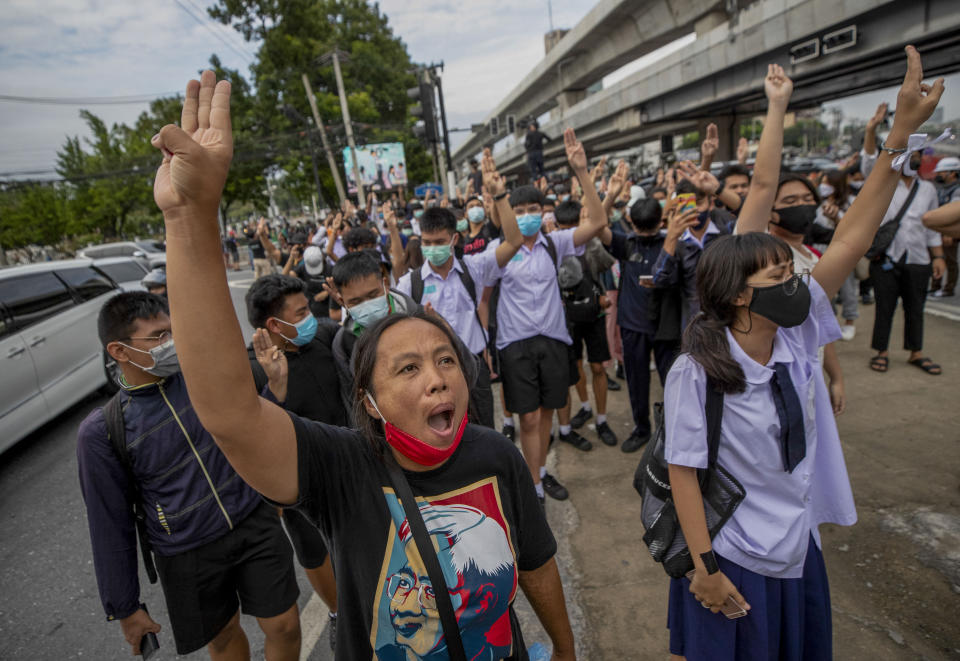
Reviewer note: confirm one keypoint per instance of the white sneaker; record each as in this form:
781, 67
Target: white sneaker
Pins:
847, 332
937, 294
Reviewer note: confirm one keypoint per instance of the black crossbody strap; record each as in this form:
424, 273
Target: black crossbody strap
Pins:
906, 205
471, 288
552, 250
416, 286
116, 432
714, 411
448, 618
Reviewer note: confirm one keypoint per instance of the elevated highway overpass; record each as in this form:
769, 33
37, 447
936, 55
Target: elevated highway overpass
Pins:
720, 76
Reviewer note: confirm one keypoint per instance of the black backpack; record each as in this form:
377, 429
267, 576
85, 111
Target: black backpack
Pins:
581, 301
416, 289
117, 433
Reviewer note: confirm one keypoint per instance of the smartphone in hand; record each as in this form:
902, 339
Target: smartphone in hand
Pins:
731, 608
686, 202
148, 645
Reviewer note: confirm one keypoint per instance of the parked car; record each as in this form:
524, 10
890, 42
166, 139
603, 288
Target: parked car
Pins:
153, 253
125, 271
49, 349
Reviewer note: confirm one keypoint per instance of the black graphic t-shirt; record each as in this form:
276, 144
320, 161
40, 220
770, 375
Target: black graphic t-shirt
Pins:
480, 509
479, 242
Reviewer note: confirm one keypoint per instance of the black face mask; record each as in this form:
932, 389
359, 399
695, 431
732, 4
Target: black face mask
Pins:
940, 179
915, 164
702, 219
786, 304
797, 220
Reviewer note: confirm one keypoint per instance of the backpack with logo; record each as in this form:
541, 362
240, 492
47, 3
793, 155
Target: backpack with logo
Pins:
579, 291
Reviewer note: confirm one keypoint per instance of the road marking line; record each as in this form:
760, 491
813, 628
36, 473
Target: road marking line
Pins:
938, 312
242, 283
313, 620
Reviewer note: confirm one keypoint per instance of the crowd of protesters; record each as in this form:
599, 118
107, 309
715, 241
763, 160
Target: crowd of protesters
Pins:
382, 331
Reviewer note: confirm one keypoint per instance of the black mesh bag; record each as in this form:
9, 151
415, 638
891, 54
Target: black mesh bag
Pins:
721, 491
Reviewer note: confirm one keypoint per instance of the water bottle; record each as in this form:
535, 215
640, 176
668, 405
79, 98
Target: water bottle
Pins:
538, 652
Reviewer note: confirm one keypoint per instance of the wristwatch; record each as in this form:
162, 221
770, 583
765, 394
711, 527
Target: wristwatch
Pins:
710, 562
497, 198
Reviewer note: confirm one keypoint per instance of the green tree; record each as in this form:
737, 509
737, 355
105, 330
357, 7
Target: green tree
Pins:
293, 35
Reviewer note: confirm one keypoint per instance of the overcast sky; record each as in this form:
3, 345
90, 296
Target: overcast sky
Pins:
109, 48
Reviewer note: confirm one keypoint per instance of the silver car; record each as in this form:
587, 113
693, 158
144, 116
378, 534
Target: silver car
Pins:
125, 271
153, 253
49, 349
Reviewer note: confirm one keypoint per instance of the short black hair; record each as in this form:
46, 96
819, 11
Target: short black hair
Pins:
526, 195
657, 189
298, 237
567, 213
646, 214
685, 186
359, 236
266, 297
438, 218
119, 314
735, 169
353, 266
787, 177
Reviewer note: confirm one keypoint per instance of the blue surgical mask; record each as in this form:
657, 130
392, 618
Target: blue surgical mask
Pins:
306, 329
462, 225
475, 214
529, 223
418, 213
552, 197
407, 231
368, 313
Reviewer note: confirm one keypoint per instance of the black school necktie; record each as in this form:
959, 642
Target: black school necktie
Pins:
793, 440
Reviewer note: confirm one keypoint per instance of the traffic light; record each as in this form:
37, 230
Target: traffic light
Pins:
424, 109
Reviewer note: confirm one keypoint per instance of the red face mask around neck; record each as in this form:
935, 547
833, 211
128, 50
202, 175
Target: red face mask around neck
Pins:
413, 448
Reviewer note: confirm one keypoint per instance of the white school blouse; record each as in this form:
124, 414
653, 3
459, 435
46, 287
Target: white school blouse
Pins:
769, 532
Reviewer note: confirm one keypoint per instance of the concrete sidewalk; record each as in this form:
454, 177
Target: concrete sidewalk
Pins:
894, 576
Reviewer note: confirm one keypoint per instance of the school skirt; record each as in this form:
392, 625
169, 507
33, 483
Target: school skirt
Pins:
789, 619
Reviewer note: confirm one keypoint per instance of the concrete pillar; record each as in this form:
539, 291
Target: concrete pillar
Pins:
728, 127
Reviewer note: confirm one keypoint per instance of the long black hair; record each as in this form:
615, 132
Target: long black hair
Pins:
364, 362
722, 276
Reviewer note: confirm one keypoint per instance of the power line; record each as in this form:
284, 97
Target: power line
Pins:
86, 100
229, 34
216, 34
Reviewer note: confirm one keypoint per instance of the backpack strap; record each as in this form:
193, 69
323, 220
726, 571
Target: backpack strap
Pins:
416, 286
552, 250
117, 433
471, 287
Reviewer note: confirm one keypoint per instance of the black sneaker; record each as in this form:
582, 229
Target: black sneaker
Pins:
580, 419
509, 432
612, 385
606, 434
576, 440
553, 488
619, 372
332, 632
634, 442
867, 299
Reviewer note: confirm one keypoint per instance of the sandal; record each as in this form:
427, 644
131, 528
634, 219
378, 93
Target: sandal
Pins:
879, 363
926, 365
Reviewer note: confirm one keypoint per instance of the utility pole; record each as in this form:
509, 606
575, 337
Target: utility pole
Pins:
348, 127
323, 138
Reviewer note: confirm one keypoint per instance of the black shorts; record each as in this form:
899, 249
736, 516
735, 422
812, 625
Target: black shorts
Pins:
594, 335
535, 373
308, 543
250, 566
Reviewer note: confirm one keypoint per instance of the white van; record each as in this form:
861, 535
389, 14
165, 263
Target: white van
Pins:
50, 354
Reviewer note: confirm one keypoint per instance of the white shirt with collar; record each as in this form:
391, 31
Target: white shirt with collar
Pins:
769, 532
450, 298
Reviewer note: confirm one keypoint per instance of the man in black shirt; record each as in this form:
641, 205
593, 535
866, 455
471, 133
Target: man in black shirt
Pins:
277, 307
533, 143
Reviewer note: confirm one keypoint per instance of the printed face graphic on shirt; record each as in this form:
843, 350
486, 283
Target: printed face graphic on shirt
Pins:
470, 536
